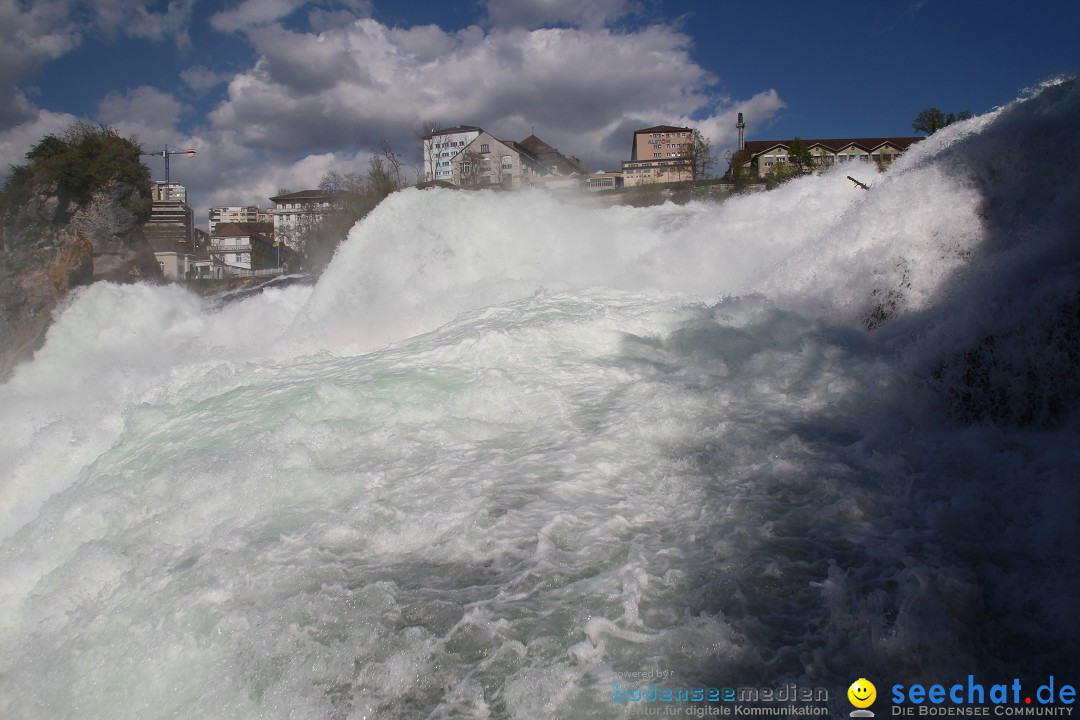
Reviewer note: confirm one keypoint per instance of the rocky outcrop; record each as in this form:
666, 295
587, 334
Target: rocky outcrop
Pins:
51, 245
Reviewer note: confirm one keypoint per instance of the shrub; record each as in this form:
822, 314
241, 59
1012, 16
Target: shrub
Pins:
80, 161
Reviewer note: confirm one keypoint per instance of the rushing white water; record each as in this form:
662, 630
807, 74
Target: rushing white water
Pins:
509, 449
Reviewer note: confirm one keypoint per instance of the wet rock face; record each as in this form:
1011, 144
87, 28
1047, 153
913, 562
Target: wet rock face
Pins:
50, 246
120, 250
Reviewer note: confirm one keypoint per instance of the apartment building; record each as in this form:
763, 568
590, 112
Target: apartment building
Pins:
442, 146
239, 214
171, 229
293, 212
659, 154
167, 192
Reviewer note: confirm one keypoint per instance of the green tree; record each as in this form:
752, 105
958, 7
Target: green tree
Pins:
49, 146
736, 163
800, 157
384, 172
702, 159
931, 119
780, 174
424, 134
80, 160
470, 166
354, 196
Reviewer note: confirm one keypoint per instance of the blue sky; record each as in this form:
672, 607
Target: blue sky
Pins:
273, 93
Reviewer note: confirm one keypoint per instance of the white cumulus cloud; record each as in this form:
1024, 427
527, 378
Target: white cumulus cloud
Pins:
581, 89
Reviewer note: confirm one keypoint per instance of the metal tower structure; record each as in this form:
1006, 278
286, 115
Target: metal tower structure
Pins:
165, 153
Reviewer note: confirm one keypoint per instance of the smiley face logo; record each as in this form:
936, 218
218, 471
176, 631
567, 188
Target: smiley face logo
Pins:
862, 693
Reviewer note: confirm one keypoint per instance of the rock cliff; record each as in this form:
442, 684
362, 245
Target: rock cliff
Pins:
51, 243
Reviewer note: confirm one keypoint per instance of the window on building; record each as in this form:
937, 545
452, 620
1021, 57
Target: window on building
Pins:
484, 148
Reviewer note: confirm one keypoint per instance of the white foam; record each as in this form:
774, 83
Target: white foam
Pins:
509, 448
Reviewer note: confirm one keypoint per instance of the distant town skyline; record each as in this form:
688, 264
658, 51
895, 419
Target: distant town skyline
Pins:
274, 93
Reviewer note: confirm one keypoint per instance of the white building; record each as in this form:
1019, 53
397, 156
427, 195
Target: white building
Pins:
239, 214
239, 248
467, 156
487, 162
442, 146
296, 211
603, 180
174, 264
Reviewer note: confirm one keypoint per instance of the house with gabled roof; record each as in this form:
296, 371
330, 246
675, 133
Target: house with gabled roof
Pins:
551, 160
504, 164
488, 162
768, 155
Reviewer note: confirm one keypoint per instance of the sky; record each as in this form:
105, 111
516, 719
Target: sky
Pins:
272, 94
